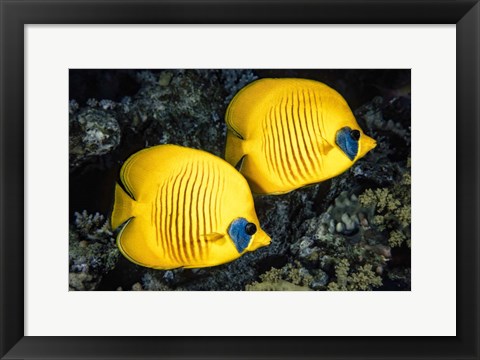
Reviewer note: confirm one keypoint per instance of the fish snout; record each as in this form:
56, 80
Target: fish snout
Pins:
260, 239
367, 144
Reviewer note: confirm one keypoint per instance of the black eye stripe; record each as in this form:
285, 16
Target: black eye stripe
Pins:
250, 229
355, 134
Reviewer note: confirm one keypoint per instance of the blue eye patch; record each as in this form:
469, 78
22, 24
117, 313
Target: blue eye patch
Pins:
347, 140
238, 231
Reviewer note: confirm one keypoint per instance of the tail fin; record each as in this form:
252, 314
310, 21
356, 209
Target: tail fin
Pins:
234, 148
122, 208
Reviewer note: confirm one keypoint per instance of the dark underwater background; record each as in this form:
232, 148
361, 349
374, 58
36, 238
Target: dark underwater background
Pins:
349, 233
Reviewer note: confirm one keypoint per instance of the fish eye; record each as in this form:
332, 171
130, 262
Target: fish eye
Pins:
250, 228
355, 134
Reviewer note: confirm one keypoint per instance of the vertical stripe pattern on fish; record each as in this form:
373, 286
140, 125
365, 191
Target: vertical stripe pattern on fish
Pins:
288, 133
179, 208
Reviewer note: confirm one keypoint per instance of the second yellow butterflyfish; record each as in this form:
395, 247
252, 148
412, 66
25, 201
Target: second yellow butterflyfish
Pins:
287, 133
182, 207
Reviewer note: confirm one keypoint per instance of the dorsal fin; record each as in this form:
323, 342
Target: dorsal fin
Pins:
236, 133
124, 187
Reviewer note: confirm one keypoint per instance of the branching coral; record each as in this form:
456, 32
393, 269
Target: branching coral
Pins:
290, 277
391, 209
278, 285
362, 279
93, 226
93, 132
92, 251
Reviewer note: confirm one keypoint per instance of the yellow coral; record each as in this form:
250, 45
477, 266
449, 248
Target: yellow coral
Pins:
341, 271
279, 285
291, 277
333, 286
391, 209
382, 198
404, 214
396, 238
363, 279
368, 198
291, 272
392, 203
406, 179
379, 221
272, 275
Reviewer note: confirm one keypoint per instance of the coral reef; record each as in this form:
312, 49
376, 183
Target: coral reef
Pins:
292, 277
234, 80
279, 285
92, 133
349, 233
337, 244
183, 107
391, 210
92, 251
348, 236
363, 279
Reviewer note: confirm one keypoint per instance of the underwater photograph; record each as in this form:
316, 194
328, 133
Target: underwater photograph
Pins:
239, 179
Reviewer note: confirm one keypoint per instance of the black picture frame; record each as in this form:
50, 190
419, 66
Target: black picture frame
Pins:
16, 13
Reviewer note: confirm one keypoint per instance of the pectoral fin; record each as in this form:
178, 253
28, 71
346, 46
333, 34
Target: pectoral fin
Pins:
213, 236
325, 146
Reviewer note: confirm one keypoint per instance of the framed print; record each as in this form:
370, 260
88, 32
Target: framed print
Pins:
209, 152
359, 243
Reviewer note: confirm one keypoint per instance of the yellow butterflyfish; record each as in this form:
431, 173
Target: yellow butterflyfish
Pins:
183, 207
287, 133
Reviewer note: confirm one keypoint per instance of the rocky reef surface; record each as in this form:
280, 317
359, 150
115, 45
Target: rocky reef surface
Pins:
349, 233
